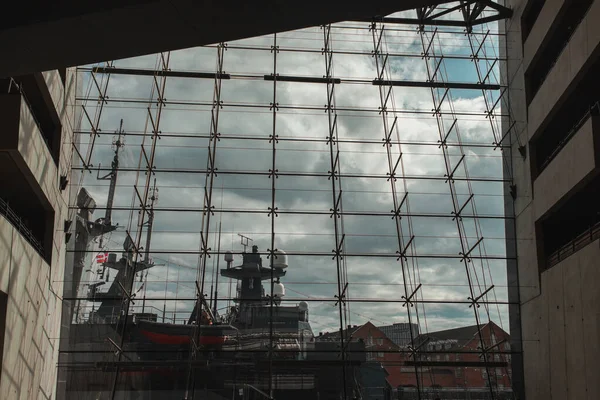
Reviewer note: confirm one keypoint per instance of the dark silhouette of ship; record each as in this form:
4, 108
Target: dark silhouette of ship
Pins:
259, 348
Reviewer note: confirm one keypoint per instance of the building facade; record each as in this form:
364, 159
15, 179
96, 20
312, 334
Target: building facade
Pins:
552, 53
37, 117
400, 333
449, 363
451, 360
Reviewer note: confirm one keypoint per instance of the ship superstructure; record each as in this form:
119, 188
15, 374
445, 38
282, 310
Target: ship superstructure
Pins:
261, 346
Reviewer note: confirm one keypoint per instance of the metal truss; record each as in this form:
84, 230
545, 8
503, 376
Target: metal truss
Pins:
474, 12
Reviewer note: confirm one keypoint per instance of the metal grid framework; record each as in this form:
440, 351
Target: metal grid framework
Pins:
372, 152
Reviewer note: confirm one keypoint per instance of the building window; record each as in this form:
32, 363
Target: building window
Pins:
380, 354
572, 227
498, 371
380, 341
36, 95
530, 14
33, 219
553, 45
458, 372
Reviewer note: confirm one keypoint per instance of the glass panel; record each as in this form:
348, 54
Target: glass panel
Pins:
362, 254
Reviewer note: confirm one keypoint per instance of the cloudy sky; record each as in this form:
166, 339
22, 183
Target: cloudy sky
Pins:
303, 191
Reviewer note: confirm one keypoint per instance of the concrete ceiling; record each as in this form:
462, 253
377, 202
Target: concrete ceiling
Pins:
39, 35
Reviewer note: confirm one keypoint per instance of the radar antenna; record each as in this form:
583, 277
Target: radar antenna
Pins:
244, 241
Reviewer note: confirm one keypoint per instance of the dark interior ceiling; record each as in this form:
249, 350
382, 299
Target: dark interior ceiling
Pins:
39, 35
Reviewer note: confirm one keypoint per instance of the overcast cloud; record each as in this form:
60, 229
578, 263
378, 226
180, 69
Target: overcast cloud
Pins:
314, 277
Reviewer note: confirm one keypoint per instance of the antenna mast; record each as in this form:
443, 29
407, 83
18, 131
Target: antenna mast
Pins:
150, 222
217, 272
244, 241
118, 142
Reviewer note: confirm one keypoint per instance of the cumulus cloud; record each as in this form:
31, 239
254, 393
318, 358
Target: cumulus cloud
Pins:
304, 226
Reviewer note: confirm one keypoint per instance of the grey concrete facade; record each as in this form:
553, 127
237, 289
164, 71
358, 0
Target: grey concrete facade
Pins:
560, 301
31, 277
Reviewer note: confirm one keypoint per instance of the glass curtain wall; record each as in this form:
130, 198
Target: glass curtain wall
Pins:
312, 214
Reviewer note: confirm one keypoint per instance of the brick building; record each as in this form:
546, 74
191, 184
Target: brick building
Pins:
400, 333
452, 359
377, 344
448, 360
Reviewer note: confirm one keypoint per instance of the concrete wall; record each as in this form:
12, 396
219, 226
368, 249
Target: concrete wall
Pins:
560, 308
571, 62
576, 162
548, 14
33, 285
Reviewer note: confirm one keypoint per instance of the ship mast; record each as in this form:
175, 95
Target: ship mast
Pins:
150, 224
112, 175
153, 199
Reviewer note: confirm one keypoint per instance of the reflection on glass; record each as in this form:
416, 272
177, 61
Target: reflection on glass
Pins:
338, 234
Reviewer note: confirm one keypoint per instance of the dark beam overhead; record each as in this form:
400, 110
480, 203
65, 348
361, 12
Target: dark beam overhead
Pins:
39, 35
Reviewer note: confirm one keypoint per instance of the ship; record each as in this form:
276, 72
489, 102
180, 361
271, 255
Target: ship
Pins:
261, 347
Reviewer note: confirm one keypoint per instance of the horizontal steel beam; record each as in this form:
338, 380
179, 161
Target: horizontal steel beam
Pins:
443, 85
303, 79
148, 72
470, 364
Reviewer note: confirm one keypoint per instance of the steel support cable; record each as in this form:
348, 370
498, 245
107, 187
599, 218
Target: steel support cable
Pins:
124, 185
94, 128
464, 167
392, 164
416, 276
154, 91
415, 265
414, 261
489, 102
447, 161
207, 212
466, 249
333, 299
334, 140
481, 249
486, 306
78, 123
336, 194
507, 103
273, 209
249, 138
135, 241
476, 223
287, 109
484, 50
95, 122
